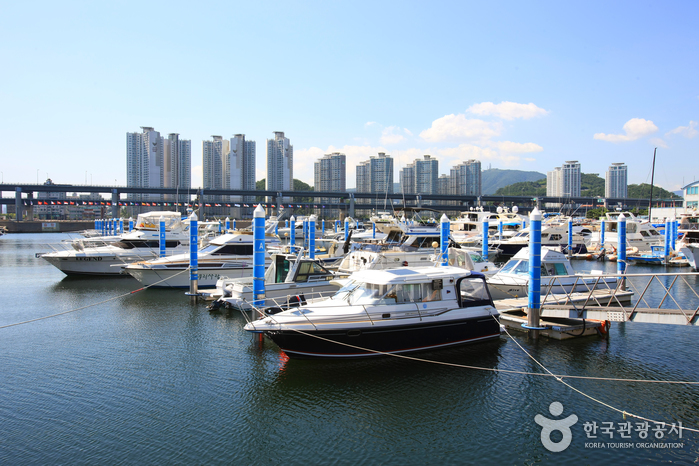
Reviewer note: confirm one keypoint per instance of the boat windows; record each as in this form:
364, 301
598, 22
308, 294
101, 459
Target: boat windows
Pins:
311, 271
235, 250
366, 293
412, 293
556, 237
507, 268
555, 268
654, 232
544, 236
522, 268
474, 292
342, 293
631, 227
644, 233
153, 244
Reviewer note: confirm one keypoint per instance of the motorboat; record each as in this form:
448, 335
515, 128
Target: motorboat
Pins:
288, 275
639, 233
554, 233
228, 255
503, 224
557, 276
379, 312
688, 244
143, 243
381, 257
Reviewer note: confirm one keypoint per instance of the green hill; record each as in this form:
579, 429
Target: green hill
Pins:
591, 185
495, 178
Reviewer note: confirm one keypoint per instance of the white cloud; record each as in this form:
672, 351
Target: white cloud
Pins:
687, 131
516, 147
657, 142
507, 110
458, 128
635, 128
370, 123
392, 135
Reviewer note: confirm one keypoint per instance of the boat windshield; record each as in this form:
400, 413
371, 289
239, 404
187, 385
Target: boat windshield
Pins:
366, 293
341, 294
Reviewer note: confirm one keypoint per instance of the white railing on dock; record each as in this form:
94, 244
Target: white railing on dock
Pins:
669, 298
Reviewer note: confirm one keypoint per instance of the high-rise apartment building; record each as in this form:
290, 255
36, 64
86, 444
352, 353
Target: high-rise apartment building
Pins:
564, 181
229, 164
330, 175
421, 177
213, 166
616, 181
465, 178
155, 162
280, 164
375, 176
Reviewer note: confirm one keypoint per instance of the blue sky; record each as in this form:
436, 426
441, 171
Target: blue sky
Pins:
522, 85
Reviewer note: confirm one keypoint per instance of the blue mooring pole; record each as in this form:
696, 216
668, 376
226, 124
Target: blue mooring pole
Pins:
234, 224
621, 249
337, 222
322, 227
443, 239
286, 224
292, 235
220, 227
601, 233
312, 237
228, 224
130, 223
570, 237
673, 233
534, 303
500, 229
668, 234
258, 258
193, 257
484, 241
373, 230
121, 226
346, 228
103, 226
97, 224
161, 230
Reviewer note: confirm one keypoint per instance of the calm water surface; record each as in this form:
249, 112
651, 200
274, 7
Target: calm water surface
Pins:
148, 378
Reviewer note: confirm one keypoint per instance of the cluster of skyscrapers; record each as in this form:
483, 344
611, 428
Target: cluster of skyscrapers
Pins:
565, 181
229, 164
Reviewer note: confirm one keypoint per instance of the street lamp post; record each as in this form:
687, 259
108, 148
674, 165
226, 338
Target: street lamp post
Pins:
37, 175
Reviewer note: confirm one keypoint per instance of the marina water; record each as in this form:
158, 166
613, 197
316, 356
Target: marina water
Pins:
148, 378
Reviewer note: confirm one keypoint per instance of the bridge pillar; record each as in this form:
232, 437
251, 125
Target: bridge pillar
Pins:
278, 201
115, 203
351, 205
18, 204
479, 203
418, 201
30, 206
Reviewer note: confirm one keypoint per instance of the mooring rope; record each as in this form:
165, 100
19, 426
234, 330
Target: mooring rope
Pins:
91, 305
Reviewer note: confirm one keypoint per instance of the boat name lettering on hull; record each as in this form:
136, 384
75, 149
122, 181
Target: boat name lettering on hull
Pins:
88, 258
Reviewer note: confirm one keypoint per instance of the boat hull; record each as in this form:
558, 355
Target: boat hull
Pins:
373, 341
81, 264
178, 277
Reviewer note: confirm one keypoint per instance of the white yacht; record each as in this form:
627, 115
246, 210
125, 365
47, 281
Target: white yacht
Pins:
639, 233
288, 278
557, 276
228, 255
142, 243
688, 244
386, 311
554, 234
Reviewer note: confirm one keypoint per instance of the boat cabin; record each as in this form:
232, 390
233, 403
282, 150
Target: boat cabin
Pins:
553, 263
415, 286
290, 268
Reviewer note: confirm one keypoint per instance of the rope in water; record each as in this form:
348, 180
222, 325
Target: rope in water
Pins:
90, 305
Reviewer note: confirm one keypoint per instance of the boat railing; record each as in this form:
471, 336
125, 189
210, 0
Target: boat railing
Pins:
629, 294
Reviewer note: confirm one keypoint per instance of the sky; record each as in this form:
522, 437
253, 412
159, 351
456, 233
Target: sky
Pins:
516, 85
